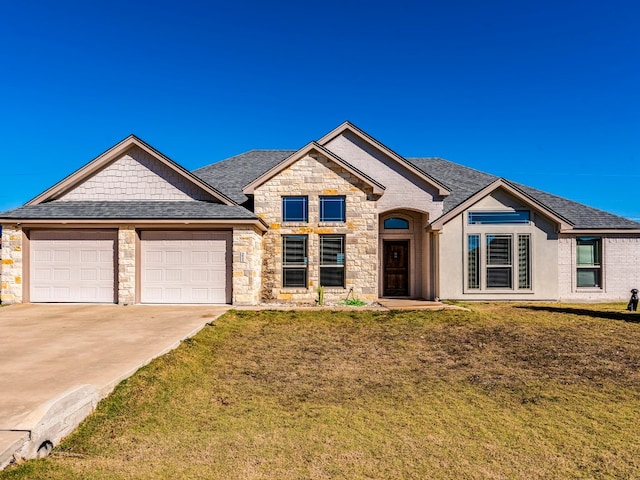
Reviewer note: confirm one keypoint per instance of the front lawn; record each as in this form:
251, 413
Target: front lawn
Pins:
504, 391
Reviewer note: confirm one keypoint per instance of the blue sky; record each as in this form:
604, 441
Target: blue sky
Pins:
545, 93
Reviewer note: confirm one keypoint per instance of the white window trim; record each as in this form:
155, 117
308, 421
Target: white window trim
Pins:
483, 290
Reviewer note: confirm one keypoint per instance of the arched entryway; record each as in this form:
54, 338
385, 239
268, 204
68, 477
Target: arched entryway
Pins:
404, 260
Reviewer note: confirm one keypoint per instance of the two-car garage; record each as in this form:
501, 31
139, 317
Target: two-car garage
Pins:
81, 266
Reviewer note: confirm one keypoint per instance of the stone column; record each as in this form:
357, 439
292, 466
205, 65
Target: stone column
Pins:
11, 264
247, 265
127, 237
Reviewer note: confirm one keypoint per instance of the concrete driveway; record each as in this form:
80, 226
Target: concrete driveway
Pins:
57, 361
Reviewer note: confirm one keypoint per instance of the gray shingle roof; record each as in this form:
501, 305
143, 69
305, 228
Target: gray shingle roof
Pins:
232, 174
464, 182
104, 210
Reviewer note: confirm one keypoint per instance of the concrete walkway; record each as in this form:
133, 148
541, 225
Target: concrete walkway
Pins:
58, 361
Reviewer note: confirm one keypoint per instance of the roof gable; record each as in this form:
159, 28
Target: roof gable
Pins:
131, 170
310, 148
349, 128
519, 195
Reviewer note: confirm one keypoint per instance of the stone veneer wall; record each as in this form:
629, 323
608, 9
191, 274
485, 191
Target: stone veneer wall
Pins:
11, 265
136, 175
247, 265
315, 176
621, 269
127, 239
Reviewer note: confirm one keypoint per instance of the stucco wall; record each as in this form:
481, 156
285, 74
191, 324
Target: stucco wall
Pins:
314, 177
136, 175
620, 269
402, 189
544, 253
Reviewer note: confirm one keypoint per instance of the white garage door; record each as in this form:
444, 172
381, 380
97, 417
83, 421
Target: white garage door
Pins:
72, 266
185, 267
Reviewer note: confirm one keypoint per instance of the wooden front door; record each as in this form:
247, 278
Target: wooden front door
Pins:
396, 268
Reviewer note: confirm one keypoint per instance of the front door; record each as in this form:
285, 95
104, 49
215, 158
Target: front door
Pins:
396, 268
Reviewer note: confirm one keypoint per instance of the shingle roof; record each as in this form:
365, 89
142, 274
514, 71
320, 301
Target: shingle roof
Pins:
143, 210
232, 174
465, 181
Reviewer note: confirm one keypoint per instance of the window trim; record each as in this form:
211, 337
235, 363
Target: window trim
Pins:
498, 265
480, 257
325, 198
339, 265
305, 200
502, 217
595, 267
302, 266
396, 218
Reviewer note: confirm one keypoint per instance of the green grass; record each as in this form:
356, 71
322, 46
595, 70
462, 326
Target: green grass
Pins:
503, 391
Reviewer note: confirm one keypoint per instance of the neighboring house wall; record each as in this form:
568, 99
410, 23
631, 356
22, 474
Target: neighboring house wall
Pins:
136, 175
247, 265
620, 269
453, 247
314, 177
402, 188
11, 266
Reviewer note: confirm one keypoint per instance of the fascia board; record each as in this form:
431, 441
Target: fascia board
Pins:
500, 183
348, 126
84, 223
249, 189
111, 154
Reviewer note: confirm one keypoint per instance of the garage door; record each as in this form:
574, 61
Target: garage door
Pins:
72, 266
185, 267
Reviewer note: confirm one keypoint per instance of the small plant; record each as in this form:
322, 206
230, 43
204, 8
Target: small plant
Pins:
353, 302
320, 300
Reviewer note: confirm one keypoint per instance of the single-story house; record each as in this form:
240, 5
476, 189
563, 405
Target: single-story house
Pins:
344, 212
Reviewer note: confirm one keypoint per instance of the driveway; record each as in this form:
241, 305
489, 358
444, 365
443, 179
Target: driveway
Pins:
56, 361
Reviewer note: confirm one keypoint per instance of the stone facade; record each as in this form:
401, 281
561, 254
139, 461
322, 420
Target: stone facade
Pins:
620, 269
11, 264
247, 265
127, 238
313, 176
136, 175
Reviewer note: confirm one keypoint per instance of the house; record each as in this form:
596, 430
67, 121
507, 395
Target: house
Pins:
344, 212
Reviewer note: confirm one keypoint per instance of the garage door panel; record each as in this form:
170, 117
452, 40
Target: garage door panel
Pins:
185, 267
73, 266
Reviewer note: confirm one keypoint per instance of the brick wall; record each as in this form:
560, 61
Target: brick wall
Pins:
315, 176
621, 269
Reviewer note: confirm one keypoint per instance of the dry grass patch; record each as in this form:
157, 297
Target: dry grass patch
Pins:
503, 391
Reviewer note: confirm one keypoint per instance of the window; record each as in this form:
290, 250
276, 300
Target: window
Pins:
395, 223
499, 218
589, 268
332, 260
524, 261
332, 209
473, 252
499, 267
294, 261
294, 209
